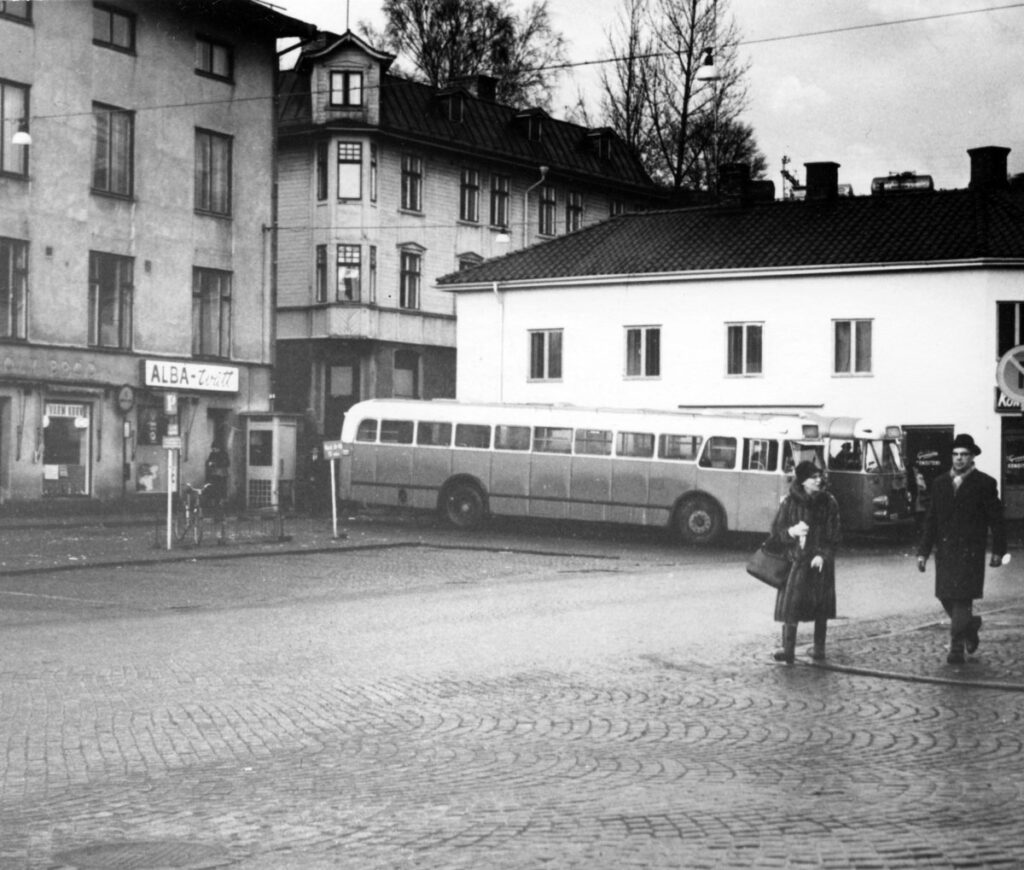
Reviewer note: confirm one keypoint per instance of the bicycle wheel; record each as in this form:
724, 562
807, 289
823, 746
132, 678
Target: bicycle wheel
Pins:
180, 524
197, 526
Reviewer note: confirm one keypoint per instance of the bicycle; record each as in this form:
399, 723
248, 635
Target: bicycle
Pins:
188, 518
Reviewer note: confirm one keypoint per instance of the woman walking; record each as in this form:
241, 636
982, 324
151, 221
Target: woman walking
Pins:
807, 524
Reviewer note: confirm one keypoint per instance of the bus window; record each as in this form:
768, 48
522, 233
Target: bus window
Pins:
794, 452
396, 431
760, 454
843, 456
634, 444
597, 442
511, 437
473, 435
367, 430
883, 456
434, 434
549, 439
679, 446
719, 452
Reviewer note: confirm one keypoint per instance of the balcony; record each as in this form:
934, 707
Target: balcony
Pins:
366, 322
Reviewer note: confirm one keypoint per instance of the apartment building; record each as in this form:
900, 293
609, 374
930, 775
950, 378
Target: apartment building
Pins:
136, 198
386, 184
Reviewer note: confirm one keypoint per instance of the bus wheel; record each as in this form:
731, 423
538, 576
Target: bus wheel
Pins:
462, 505
699, 521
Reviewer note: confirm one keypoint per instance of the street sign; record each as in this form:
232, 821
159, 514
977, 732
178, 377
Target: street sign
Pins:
172, 442
171, 404
1010, 373
332, 450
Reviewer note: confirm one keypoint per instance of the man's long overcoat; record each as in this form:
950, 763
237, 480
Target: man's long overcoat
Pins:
957, 526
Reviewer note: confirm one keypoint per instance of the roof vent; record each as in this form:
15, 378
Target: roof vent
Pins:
822, 180
902, 182
988, 168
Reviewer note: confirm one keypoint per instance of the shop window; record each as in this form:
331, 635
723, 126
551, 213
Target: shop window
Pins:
407, 374
66, 427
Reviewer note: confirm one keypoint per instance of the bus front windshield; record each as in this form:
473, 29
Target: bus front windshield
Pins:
882, 456
795, 452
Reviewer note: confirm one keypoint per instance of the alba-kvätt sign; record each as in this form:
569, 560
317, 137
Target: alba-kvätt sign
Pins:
171, 375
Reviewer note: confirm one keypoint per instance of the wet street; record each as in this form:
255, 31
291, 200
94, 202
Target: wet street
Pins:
426, 699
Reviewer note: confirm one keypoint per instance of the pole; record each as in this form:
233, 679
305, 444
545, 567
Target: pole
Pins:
334, 499
172, 484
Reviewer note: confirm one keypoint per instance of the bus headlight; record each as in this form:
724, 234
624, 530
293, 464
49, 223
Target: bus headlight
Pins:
880, 507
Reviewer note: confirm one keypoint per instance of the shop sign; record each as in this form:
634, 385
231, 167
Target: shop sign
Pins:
62, 409
190, 376
1006, 405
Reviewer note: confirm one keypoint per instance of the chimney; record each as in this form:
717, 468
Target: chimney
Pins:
822, 180
481, 86
988, 168
733, 184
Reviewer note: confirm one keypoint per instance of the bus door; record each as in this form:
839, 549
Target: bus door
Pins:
591, 487
394, 461
550, 471
847, 483
509, 491
432, 462
887, 480
761, 484
716, 475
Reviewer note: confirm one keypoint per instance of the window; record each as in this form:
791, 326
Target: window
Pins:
213, 173
321, 273
112, 153
593, 442
547, 209
110, 300
372, 290
473, 435
20, 10
511, 437
349, 273
546, 355
321, 170
350, 170
112, 29
469, 261
469, 196
719, 452
643, 351
13, 288
634, 444
852, 347
412, 182
409, 280
434, 434
744, 352
406, 379
13, 113
452, 106
1010, 326
573, 211
396, 431
760, 454
616, 207
367, 430
211, 313
501, 187
684, 447
346, 88
214, 59
552, 439
373, 173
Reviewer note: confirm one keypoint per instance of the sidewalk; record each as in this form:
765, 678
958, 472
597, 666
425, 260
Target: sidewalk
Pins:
890, 648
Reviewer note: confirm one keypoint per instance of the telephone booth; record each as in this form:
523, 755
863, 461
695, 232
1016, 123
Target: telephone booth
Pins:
270, 446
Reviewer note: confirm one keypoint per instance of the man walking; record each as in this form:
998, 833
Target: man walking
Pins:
964, 507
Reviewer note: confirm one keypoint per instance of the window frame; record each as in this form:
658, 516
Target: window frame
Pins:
573, 211
853, 350
206, 51
14, 288
211, 288
113, 13
547, 210
102, 111
345, 151
321, 156
348, 289
320, 274
642, 360
738, 357
351, 97
9, 125
409, 279
469, 195
6, 14
501, 197
546, 354
412, 183
122, 292
206, 173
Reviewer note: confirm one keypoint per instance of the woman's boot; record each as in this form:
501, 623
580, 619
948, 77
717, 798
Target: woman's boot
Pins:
788, 652
820, 631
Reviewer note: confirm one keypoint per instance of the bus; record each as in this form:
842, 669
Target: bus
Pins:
866, 471
698, 474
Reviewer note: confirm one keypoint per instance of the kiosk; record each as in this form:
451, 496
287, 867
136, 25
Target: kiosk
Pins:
270, 447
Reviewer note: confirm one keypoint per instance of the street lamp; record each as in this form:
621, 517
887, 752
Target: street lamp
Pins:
22, 136
707, 71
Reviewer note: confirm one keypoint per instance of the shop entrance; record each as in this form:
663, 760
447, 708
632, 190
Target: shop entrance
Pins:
1012, 487
66, 442
928, 452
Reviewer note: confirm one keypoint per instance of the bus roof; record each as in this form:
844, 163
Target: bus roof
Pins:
577, 416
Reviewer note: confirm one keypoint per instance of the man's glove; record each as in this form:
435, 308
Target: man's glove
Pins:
995, 561
921, 562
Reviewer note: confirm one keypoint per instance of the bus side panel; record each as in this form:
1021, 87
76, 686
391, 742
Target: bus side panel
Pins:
630, 491
762, 494
472, 463
509, 491
549, 485
591, 488
394, 474
360, 469
724, 487
431, 468
669, 480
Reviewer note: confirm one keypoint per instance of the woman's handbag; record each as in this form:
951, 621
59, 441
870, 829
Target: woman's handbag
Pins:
770, 565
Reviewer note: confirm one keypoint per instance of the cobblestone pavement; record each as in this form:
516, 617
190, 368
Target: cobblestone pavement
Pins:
331, 734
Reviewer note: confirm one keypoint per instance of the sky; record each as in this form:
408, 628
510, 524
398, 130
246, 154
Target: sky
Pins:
877, 86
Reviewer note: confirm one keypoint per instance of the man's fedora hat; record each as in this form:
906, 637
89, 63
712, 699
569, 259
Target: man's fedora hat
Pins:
966, 442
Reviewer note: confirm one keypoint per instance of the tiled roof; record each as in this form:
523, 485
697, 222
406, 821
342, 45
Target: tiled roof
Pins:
894, 229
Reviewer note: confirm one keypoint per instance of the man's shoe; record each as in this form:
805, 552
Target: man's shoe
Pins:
817, 652
955, 657
972, 634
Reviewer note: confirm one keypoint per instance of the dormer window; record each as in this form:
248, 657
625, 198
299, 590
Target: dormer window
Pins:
346, 88
601, 141
535, 128
453, 106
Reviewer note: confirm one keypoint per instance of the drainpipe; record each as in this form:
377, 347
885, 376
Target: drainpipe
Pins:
526, 202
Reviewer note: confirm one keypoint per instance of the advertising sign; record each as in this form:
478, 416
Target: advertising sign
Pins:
202, 377
1010, 373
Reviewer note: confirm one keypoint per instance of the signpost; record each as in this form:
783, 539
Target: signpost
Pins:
172, 444
332, 452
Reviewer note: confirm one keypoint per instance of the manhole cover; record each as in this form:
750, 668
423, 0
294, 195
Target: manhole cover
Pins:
152, 855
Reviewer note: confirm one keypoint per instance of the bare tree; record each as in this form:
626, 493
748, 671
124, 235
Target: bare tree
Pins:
446, 40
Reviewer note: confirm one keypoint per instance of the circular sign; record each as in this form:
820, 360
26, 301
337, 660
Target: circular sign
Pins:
126, 398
